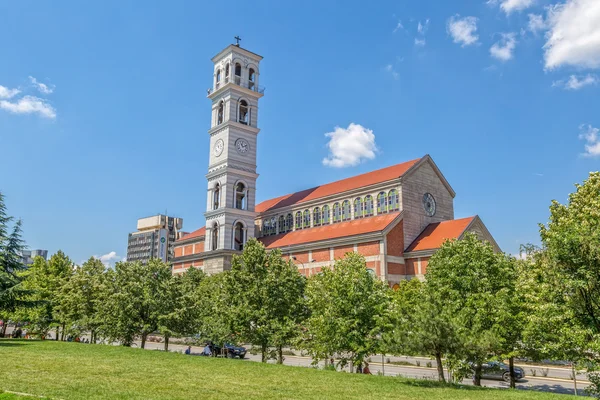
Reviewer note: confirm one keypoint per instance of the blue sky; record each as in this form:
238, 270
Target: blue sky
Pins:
103, 109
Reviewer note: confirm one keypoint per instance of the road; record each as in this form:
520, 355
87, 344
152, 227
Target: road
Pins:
546, 384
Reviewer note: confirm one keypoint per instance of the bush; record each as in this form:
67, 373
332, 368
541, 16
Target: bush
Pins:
428, 365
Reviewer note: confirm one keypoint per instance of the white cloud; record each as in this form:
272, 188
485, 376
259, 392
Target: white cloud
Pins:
574, 34
42, 87
420, 42
398, 26
463, 30
29, 105
536, 23
591, 136
390, 68
509, 6
577, 82
109, 259
6, 93
349, 147
422, 28
503, 49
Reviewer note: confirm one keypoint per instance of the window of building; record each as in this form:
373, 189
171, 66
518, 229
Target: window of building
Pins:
218, 76
238, 69
238, 236
226, 72
306, 218
358, 208
220, 112
244, 113
337, 213
368, 206
281, 224
240, 196
325, 214
215, 236
346, 211
251, 78
393, 200
289, 222
381, 203
298, 220
216, 196
316, 217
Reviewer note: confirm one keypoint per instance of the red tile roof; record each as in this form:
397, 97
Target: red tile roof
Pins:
434, 235
333, 231
355, 182
197, 233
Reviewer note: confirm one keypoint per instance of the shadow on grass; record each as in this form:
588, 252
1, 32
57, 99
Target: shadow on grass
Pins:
431, 384
13, 342
552, 389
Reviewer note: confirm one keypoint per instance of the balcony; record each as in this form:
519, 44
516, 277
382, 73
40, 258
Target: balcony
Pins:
237, 80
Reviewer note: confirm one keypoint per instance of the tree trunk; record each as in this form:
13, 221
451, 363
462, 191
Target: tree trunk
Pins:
166, 342
477, 375
574, 377
62, 335
93, 337
280, 355
144, 335
440, 367
57, 328
263, 351
511, 370
4, 324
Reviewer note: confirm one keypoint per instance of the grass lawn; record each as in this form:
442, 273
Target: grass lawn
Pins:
83, 371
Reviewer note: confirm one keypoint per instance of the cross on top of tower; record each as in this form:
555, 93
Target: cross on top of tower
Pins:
237, 40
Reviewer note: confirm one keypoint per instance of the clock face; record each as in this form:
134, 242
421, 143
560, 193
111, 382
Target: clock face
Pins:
219, 146
429, 204
242, 146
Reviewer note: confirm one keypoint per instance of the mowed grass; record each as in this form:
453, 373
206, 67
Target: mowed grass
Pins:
83, 371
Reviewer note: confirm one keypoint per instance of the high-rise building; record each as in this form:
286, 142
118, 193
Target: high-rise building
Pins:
155, 238
30, 255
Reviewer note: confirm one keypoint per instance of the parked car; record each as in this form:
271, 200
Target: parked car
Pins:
228, 349
499, 370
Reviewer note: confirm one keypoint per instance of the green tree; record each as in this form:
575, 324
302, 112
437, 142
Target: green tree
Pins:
475, 283
12, 293
46, 280
420, 324
79, 298
182, 305
266, 294
348, 311
135, 298
215, 311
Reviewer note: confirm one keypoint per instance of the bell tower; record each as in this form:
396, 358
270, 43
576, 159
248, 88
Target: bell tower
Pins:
232, 163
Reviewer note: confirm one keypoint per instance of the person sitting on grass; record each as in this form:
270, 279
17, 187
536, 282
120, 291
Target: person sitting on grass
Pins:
366, 369
188, 351
206, 351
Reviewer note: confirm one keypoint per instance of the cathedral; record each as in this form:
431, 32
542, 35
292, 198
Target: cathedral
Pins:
396, 217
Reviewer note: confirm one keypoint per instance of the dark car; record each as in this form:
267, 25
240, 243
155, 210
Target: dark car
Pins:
228, 350
498, 370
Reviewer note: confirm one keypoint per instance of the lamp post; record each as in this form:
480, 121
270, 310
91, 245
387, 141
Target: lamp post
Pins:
303, 267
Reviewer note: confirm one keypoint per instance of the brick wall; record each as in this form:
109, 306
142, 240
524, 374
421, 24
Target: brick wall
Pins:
340, 252
321, 255
369, 249
396, 268
178, 251
375, 266
187, 249
395, 240
411, 266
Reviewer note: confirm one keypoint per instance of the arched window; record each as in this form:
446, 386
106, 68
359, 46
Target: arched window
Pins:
240, 196
325, 214
227, 73
251, 78
220, 112
281, 224
238, 69
368, 206
306, 218
273, 226
393, 200
346, 211
316, 217
218, 77
337, 213
215, 236
289, 222
244, 113
381, 203
216, 196
298, 220
238, 236
358, 208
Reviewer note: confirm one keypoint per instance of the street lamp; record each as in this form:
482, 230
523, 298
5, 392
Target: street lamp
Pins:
303, 267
